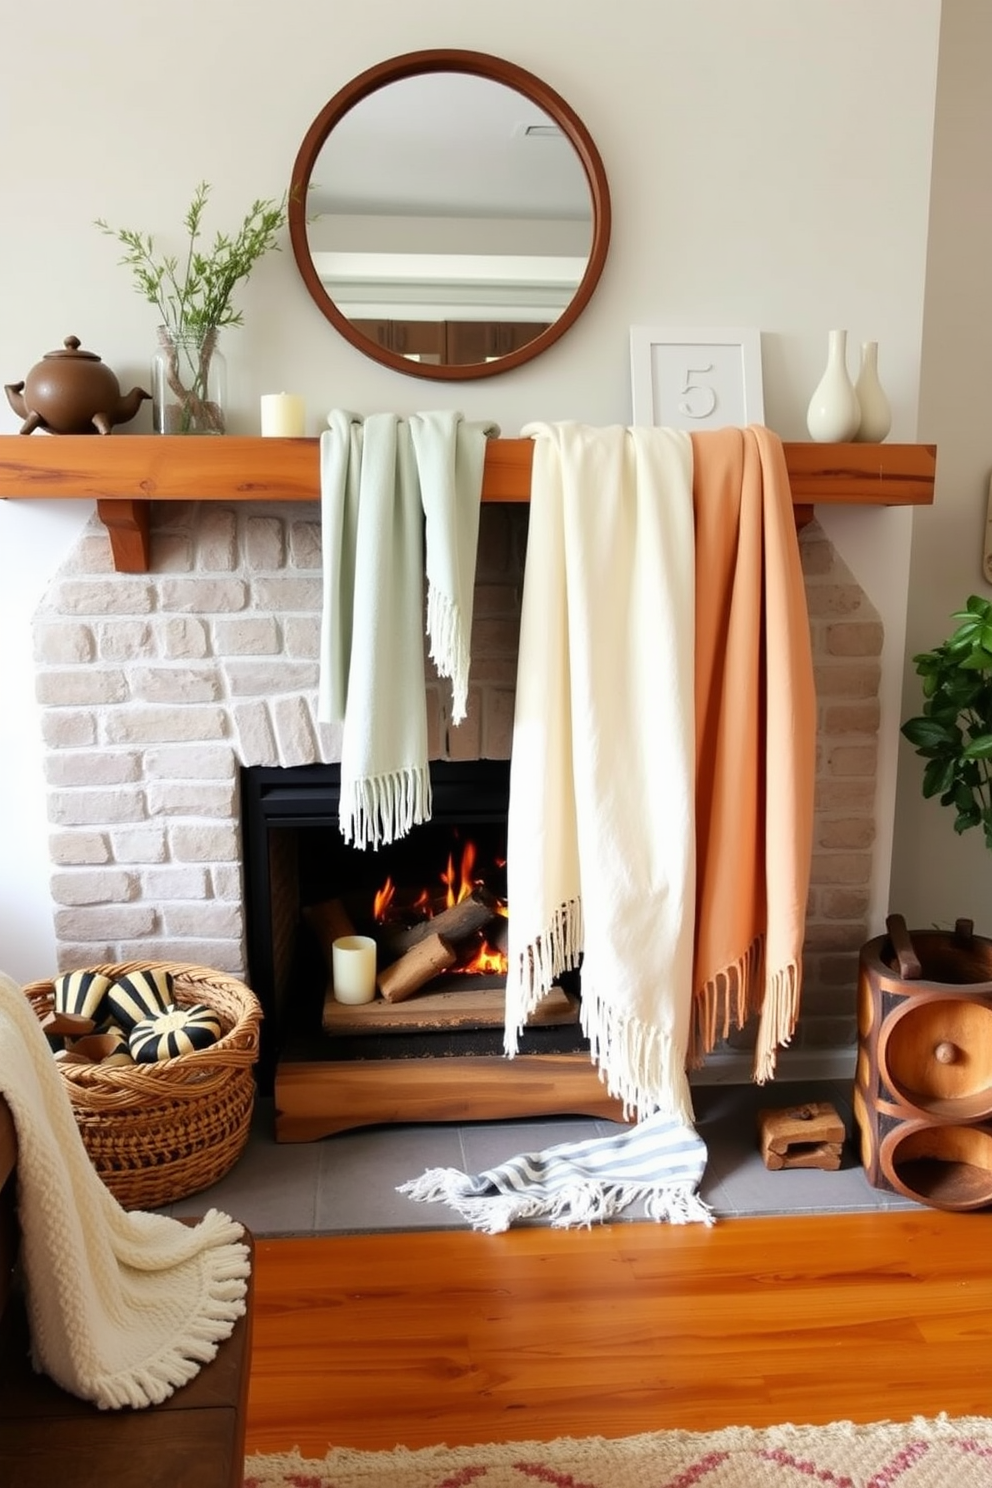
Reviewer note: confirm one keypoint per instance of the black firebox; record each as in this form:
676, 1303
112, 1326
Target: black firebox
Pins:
296, 858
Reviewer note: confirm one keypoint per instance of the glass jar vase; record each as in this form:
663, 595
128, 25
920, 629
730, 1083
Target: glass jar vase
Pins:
189, 383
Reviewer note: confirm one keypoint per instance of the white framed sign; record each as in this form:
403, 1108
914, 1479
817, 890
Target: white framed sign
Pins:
689, 379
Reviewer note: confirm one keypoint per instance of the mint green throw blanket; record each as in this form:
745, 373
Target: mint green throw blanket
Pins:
399, 500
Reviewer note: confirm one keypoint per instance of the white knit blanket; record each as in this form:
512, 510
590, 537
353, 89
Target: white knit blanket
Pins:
576, 1184
123, 1307
398, 498
600, 855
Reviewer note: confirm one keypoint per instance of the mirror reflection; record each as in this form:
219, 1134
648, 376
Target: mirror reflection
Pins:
450, 220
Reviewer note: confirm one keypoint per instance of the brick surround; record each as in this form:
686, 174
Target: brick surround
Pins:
155, 689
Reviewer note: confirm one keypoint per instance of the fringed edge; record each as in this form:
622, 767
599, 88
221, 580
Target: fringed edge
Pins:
378, 809
578, 1206
533, 971
729, 998
642, 1065
225, 1287
724, 1002
449, 647
778, 1019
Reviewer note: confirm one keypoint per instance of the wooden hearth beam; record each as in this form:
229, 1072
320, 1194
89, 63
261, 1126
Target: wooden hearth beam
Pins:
125, 473
318, 1099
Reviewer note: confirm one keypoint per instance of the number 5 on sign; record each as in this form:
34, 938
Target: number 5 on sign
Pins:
698, 397
696, 379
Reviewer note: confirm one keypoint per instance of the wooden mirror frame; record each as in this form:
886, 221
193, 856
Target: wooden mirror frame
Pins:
495, 69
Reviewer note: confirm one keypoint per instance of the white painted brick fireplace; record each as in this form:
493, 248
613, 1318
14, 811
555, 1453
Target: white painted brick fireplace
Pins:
156, 688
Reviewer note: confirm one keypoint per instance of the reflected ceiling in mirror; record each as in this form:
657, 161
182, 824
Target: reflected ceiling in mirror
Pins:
449, 214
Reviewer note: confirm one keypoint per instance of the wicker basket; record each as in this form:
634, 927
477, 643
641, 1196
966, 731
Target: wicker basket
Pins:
158, 1132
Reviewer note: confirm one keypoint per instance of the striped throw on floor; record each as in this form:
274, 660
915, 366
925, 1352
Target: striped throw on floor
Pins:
659, 1161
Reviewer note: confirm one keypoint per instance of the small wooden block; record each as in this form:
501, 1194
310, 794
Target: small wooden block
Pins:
810, 1135
824, 1155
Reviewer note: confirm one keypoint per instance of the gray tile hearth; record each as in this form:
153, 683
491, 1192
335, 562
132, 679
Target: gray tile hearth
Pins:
346, 1184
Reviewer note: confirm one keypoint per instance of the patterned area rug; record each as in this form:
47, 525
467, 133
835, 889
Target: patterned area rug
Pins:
940, 1453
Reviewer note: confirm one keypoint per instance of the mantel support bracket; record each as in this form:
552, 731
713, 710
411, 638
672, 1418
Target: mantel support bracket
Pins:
129, 526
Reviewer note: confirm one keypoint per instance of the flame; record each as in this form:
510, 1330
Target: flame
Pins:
383, 899
458, 884
485, 962
466, 883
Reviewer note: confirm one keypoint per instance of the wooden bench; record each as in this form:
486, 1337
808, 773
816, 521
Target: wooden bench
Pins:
50, 1439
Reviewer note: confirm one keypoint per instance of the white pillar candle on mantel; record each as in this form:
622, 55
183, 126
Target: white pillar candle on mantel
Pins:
353, 968
284, 415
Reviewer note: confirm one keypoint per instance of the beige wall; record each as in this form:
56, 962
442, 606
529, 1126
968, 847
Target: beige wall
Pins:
938, 876
769, 165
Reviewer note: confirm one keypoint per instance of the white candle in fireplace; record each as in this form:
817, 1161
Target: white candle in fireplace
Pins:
284, 415
353, 968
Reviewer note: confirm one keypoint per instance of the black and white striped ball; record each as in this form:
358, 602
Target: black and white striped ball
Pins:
139, 995
174, 1031
82, 993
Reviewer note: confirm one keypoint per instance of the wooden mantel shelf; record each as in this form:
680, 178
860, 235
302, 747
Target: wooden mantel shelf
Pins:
125, 473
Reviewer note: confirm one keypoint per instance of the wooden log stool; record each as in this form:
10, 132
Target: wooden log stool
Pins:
810, 1135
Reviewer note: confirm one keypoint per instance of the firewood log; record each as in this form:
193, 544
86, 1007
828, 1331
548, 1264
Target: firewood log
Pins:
498, 934
416, 968
456, 923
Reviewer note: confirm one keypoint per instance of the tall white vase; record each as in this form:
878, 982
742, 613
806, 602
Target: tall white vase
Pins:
876, 415
834, 412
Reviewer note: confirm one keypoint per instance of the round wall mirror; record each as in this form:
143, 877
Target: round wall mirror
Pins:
449, 214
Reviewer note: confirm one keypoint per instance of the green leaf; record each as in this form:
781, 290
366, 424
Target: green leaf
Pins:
976, 660
197, 296
978, 748
938, 777
930, 733
963, 798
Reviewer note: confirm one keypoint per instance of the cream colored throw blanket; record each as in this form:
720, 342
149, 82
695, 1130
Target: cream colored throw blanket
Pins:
398, 497
661, 789
600, 842
123, 1307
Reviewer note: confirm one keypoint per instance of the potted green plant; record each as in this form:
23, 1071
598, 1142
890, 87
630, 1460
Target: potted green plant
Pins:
954, 731
193, 295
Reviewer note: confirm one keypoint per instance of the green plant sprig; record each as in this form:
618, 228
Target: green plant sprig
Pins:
954, 732
195, 294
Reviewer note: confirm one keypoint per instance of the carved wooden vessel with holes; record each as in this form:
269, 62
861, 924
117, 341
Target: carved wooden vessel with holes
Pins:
923, 1089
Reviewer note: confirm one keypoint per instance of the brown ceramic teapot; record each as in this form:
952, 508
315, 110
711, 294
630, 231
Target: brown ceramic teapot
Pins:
72, 392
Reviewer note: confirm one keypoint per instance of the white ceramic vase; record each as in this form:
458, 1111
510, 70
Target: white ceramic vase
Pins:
834, 413
876, 415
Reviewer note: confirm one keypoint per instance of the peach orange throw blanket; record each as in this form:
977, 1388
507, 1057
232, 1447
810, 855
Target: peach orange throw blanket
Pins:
661, 796
755, 743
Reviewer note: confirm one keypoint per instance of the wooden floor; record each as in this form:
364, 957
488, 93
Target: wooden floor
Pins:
374, 1340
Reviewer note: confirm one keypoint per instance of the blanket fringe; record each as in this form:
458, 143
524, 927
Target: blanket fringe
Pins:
779, 1014
533, 971
724, 1002
378, 809
154, 1379
736, 993
578, 1206
449, 648
642, 1064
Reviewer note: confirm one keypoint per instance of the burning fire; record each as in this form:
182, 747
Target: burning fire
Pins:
466, 883
458, 884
